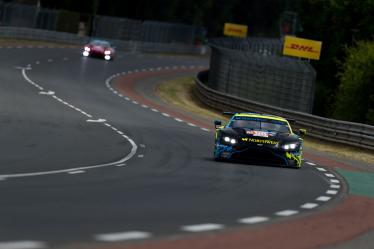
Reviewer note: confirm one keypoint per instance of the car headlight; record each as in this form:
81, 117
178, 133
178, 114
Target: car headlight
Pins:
87, 49
289, 146
107, 52
230, 140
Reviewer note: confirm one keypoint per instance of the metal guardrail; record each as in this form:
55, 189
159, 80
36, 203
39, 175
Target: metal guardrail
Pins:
359, 135
133, 46
41, 34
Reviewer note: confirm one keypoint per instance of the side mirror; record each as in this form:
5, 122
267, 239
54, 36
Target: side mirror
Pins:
217, 123
302, 132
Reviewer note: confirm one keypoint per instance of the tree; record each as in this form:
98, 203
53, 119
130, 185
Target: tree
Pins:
338, 23
355, 97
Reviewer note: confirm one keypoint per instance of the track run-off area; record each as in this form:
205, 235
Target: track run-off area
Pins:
91, 157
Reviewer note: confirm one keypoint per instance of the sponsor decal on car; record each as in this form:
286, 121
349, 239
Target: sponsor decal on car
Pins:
259, 141
258, 133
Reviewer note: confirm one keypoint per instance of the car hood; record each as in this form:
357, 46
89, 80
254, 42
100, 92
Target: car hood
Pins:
98, 48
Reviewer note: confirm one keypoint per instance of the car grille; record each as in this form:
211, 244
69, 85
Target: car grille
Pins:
255, 155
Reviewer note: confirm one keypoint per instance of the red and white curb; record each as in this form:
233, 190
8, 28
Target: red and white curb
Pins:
108, 84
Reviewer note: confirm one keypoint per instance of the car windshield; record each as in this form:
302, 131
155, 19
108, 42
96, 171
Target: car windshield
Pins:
100, 43
260, 124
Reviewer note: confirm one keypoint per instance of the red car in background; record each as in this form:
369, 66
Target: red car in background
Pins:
99, 48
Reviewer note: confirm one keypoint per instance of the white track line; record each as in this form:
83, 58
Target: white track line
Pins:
309, 205
30, 81
323, 198
335, 186
132, 153
310, 163
108, 85
114, 237
100, 120
76, 172
253, 220
126, 158
120, 165
202, 227
25, 244
331, 192
334, 181
47, 93
286, 212
329, 175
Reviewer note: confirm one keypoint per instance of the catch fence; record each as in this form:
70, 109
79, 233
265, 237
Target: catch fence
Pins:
254, 69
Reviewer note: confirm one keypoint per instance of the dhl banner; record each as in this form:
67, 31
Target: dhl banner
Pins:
303, 48
237, 30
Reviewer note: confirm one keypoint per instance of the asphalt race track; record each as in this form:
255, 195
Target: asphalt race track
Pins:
81, 164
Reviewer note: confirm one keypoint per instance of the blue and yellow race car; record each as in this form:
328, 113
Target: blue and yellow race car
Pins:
258, 139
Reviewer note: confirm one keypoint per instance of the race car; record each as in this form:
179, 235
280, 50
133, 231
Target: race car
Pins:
99, 48
258, 139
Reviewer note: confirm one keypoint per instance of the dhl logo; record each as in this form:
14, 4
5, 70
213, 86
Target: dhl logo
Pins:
232, 30
302, 48
236, 30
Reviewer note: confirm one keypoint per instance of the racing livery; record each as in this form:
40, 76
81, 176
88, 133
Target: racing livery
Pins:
258, 139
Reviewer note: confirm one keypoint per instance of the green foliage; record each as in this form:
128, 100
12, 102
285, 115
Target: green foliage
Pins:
338, 24
68, 21
355, 97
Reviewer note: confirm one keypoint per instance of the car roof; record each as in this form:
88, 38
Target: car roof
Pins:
99, 41
258, 115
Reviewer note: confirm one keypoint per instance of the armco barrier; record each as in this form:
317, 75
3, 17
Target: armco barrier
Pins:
359, 135
133, 46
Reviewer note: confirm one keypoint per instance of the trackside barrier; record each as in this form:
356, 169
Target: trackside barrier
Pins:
355, 134
132, 46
